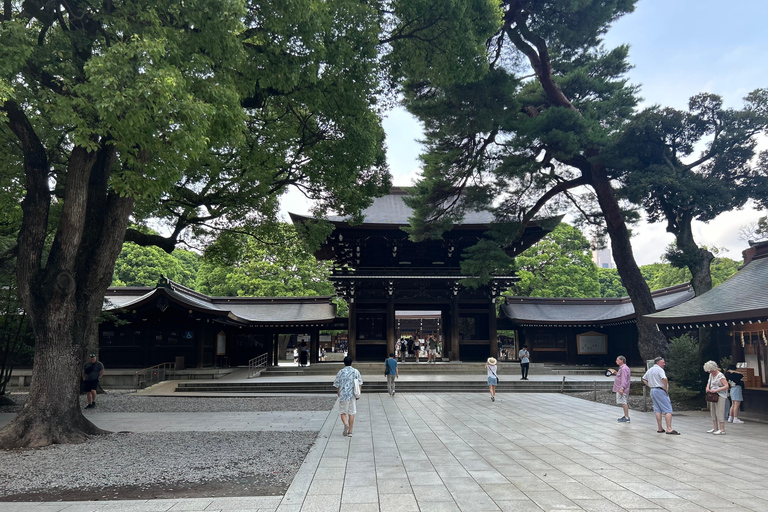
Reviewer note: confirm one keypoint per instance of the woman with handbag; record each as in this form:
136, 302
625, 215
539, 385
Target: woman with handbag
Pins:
493, 379
717, 392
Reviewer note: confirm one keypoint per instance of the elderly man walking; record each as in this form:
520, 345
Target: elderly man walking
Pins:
656, 379
621, 386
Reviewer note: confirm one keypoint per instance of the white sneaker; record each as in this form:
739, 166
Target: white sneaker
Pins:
730, 420
711, 431
737, 420
719, 432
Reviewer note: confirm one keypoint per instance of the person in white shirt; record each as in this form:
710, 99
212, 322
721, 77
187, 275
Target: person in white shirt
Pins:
656, 379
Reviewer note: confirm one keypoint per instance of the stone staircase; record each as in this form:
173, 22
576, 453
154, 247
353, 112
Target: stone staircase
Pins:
403, 386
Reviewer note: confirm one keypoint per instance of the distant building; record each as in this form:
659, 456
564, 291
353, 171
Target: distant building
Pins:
602, 258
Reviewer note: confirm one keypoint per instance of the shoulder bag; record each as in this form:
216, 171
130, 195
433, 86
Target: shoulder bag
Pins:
712, 397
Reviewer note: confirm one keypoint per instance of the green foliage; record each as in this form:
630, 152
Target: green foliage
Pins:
276, 266
143, 266
610, 283
560, 265
662, 275
683, 362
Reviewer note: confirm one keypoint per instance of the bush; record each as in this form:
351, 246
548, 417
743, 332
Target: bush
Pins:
683, 364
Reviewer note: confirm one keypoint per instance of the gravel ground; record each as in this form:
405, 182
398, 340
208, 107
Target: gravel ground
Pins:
635, 402
163, 464
135, 466
128, 401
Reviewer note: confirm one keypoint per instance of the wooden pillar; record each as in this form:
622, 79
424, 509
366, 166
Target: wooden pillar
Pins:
200, 335
455, 354
275, 349
314, 346
390, 326
492, 332
352, 331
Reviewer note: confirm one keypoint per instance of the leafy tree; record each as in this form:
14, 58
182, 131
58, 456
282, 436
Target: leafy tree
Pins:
117, 111
662, 275
610, 283
543, 121
677, 187
143, 266
684, 364
268, 267
560, 265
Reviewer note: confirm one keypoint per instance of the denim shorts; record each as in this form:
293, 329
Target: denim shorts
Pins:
492, 381
661, 401
736, 394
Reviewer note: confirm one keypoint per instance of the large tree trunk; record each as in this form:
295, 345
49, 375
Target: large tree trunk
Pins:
651, 342
63, 294
697, 259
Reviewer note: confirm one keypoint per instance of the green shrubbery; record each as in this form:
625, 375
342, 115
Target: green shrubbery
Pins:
683, 363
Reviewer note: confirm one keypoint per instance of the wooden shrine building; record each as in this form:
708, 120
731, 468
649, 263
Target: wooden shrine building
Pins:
583, 331
379, 272
172, 323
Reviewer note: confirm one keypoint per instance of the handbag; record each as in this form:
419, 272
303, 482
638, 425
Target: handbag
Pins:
357, 388
712, 397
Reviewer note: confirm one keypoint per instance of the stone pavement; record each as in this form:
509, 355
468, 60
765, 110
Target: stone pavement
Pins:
524, 452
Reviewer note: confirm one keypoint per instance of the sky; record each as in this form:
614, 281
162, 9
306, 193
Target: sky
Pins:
678, 48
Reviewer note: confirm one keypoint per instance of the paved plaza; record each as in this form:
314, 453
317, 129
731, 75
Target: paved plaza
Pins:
525, 452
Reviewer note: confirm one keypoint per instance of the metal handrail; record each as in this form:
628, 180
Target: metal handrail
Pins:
257, 364
154, 374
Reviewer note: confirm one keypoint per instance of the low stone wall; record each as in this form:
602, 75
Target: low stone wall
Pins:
125, 378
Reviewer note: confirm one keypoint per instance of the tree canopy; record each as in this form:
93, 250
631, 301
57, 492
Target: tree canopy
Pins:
119, 111
143, 266
543, 121
560, 265
674, 184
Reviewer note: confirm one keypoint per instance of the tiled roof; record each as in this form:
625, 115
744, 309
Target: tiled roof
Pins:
743, 296
567, 311
249, 310
391, 209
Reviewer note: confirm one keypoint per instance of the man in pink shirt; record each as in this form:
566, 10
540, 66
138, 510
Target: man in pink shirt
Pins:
621, 386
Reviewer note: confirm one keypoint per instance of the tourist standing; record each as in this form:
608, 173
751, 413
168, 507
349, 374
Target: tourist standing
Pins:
92, 372
525, 362
493, 379
716, 384
392, 373
432, 346
416, 348
345, 390
736, 381
621, 386
656, 379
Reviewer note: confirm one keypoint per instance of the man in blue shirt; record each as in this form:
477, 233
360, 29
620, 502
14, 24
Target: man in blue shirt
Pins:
345, 390
390, 370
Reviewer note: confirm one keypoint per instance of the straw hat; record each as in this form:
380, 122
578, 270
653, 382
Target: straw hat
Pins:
491, 360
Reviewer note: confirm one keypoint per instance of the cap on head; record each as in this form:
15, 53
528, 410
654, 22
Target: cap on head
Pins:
92, 355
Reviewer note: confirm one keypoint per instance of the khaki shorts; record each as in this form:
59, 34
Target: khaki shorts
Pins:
348, 406
621, 399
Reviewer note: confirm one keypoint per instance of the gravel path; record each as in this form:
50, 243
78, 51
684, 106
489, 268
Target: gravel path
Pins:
635, 402
147, 465
128, 401
163, 464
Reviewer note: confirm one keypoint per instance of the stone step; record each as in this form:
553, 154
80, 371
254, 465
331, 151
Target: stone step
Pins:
403, 386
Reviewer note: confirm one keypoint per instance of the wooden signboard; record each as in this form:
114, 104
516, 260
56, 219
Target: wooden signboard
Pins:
592, 343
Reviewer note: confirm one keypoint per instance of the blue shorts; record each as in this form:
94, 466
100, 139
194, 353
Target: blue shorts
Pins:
90, 385
492, 381
661, 402
736, 394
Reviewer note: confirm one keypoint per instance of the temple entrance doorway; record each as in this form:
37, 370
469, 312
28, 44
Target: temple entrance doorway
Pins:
422, 326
